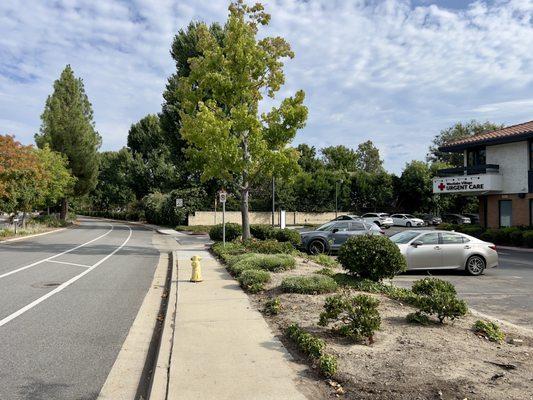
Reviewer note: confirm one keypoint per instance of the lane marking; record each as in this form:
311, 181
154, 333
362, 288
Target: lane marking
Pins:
54, 256
63, 285
69, 263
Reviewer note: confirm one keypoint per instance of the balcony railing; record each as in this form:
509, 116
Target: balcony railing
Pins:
470, 170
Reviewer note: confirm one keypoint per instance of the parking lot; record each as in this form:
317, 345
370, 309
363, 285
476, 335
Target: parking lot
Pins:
503, 292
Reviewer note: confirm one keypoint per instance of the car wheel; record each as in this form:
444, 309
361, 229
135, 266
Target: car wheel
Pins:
408, 224
475, 265
317, 246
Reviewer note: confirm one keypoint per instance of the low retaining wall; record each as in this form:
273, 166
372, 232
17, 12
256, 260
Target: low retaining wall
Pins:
261, 217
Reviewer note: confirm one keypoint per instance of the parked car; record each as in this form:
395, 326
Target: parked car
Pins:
330, 236
474, 218
445, 250
380, 219
347, 217
430, 219
455, 219
406, 220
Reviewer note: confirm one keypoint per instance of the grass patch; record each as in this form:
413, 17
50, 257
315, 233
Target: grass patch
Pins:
309, 284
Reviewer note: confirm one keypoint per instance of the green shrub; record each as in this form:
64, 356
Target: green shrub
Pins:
254, 280
327, 365
268, 246
268, 262
233, 231
438, 297
445, 226
307, 343
489, 330
527, 237
418, 318
372, 257
357, 316
273, 306
261, 232
326, 271
287, 235
325, 260
309, 284
230, 249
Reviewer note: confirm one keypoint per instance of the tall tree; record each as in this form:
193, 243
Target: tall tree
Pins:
457, 131
68, 128
368, 159
340, 158
219, 105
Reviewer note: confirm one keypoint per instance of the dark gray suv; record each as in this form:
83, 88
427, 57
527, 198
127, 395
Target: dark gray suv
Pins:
330, 236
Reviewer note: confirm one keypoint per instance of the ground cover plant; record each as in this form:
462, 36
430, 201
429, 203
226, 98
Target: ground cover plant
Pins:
309, 284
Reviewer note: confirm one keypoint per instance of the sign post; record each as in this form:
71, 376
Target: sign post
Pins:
222, 197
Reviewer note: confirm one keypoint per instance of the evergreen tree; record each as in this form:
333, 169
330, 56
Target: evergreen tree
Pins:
68, 128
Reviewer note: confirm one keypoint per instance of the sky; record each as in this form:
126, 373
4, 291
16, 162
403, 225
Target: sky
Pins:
392, 71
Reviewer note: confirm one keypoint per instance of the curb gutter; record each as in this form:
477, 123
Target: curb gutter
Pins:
130, 375
160, 377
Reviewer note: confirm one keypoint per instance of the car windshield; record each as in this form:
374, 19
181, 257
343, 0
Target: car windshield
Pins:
326, 227
404, 237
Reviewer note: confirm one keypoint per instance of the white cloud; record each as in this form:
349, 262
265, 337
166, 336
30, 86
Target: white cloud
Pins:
390, 71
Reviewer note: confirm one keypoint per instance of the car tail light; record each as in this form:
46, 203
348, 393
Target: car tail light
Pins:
493, 247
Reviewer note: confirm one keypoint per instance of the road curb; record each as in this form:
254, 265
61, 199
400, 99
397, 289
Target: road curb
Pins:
16, 239
160, 377
128, 378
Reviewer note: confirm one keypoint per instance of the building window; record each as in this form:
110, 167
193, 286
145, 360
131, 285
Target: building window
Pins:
506, 213
475, 157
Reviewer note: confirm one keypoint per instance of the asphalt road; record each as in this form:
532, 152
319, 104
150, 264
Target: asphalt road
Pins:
67, 301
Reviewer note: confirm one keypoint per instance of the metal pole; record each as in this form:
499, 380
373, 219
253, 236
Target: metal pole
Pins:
336, 190
273, 198
224, 224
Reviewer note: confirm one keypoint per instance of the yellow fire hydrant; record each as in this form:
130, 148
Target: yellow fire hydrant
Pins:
196, 269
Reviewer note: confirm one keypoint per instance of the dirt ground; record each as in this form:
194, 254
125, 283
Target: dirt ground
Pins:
406, 361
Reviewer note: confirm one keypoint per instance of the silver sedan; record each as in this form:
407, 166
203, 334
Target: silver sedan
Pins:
445, 250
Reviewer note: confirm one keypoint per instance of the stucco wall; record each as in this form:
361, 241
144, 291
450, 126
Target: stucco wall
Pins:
291, 217
513, 161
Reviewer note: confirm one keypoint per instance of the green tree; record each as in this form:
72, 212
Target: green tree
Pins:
219, 105
340, 158
68, 128
58, 181
151, 167
113, 188
368, 159
457, 131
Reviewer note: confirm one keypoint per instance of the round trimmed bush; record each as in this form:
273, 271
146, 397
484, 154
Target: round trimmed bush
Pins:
233, 231
309, 284
371, 257
254, 280
287, 235
261, 231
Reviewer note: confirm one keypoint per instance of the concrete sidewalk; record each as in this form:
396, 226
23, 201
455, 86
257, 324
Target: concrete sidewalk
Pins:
222, 347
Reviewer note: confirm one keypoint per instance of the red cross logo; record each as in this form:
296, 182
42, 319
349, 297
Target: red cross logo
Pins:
442, 186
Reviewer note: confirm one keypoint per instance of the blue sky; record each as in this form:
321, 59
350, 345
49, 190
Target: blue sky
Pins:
393, 71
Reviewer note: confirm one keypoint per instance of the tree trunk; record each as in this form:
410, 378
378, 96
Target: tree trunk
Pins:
244, 213
64, 209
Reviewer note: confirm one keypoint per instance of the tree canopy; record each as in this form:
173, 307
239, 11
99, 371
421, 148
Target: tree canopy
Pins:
219, 102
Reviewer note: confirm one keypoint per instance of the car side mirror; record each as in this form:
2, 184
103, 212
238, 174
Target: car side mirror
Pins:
335, 230
417, 243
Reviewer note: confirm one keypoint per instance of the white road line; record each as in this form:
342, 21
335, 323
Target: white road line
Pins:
54, 256
62, 286
69, 263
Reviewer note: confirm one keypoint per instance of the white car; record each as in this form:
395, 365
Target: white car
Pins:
407, 220
382, 220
